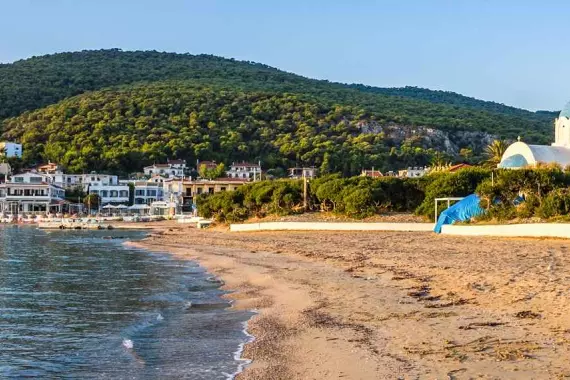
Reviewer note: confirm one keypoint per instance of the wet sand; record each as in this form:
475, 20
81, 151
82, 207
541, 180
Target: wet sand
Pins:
388, 305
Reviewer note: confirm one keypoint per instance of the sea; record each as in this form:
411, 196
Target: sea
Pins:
82, 305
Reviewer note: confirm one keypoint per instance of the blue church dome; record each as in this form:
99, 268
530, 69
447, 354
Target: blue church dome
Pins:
566, 111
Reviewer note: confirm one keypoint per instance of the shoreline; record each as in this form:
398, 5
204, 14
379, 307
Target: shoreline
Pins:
361, 305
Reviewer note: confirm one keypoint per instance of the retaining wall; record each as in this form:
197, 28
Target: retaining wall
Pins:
325, 226
556, 230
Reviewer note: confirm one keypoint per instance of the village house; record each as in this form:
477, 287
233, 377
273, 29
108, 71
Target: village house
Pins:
414, 172
372, 173
297, 173
244, 170
191, 188
172, 169
10, 149
83, 181
49, 168
207, 164
31, 193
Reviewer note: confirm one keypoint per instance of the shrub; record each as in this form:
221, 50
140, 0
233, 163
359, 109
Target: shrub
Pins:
556, 203
457, 184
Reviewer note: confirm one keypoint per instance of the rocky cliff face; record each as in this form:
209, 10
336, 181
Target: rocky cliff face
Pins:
426, 137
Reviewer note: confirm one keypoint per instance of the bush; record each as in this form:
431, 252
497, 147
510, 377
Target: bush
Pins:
457, 184
556, 203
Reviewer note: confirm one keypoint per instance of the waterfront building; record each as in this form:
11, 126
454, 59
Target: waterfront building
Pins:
110, 194
297, 173
520, 154
192, 188
147, 192
11, 149
244, 170
83, 181
31, 193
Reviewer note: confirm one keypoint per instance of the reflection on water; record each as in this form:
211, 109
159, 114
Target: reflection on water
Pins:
77, 304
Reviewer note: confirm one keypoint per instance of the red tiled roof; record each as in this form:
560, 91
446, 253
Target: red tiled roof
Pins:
373, 173
458, 167
245, 164
176, 162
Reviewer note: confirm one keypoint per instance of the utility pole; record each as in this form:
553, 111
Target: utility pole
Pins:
304, 190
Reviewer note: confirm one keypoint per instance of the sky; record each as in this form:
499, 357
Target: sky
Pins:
509, 51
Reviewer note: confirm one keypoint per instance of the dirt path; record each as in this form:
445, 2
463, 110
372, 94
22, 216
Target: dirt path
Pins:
392, 305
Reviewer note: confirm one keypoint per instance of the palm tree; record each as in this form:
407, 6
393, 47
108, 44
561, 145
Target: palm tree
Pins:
495, 151
438, 159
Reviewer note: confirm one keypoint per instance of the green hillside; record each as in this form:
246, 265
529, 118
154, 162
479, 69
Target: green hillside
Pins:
40, 81
125, 128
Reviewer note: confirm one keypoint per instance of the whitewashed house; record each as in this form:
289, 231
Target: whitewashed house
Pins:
11, 149
297, 173
244, 170
172, 169
31, 193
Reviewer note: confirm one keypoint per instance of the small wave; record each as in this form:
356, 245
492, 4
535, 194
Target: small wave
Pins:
242, 363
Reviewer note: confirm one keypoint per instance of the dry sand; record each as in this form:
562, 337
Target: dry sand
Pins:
389, 305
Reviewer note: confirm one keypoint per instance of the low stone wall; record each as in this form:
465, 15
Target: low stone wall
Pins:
554, 230
325, 226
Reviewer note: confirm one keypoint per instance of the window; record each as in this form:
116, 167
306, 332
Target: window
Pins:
114, 193
222, 189
124, 193
151, 193
210, 190
104, 193
19, 179
139, 193
199, 190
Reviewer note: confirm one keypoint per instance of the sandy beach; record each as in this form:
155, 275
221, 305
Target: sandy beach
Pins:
390, 305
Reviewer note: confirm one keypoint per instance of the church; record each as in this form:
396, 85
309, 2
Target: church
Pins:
519, 154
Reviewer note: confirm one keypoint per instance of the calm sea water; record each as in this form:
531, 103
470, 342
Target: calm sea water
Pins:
73, 302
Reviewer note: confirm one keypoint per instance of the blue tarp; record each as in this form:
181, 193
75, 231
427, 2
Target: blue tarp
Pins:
465, 209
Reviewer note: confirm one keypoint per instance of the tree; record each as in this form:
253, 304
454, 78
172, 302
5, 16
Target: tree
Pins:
213, 173
466, 154
438, 159
494, 152
92, 201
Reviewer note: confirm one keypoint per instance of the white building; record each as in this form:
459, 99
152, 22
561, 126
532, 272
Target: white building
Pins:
31, 193
297, 173
520, 154
10, 149
83, 180
414, 172
110, 194
244, 170
172, 169
147, 192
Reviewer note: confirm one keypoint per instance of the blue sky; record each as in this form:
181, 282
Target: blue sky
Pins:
513, 52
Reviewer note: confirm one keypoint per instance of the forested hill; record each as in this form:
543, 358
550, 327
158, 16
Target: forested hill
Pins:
40, 81
454, 99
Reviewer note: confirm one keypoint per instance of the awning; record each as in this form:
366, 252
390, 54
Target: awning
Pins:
108, 207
